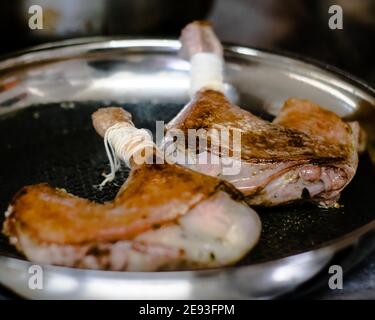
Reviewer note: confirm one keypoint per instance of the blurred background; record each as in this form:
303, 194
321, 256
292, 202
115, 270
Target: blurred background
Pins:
298, 26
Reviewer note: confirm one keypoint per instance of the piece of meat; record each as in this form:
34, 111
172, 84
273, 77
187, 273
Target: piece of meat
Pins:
307, 153
164, 217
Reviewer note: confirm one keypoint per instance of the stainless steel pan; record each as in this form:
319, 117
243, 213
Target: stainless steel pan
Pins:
46, 97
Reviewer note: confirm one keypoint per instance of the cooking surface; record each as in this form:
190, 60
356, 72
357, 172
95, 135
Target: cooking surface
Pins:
34, 156
56, 143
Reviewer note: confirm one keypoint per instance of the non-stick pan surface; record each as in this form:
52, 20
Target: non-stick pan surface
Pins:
57, 145
47, 96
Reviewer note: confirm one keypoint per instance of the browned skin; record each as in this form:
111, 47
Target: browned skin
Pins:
308, 117
154, 195
50, 215
288, 139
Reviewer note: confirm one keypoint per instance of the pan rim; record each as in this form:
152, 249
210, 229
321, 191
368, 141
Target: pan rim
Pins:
77, 46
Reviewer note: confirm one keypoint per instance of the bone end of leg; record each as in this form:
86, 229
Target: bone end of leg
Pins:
105, 118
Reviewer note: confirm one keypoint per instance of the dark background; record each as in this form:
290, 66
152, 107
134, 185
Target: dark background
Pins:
297, 26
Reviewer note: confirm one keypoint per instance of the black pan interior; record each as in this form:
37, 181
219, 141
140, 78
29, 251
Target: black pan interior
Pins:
56, 143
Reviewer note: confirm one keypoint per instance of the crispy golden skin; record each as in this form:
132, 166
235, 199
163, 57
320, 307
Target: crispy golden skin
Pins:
310, 118
290, 138
154, 195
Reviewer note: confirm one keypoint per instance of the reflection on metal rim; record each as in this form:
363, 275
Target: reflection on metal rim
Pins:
137, 70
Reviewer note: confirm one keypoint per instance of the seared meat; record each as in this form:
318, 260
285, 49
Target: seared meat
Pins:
164, 217
306, 153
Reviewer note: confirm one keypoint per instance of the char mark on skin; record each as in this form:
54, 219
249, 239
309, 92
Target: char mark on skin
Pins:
303, 133
164, 217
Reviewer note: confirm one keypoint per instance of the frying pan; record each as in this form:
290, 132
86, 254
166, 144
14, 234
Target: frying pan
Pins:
47, 95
